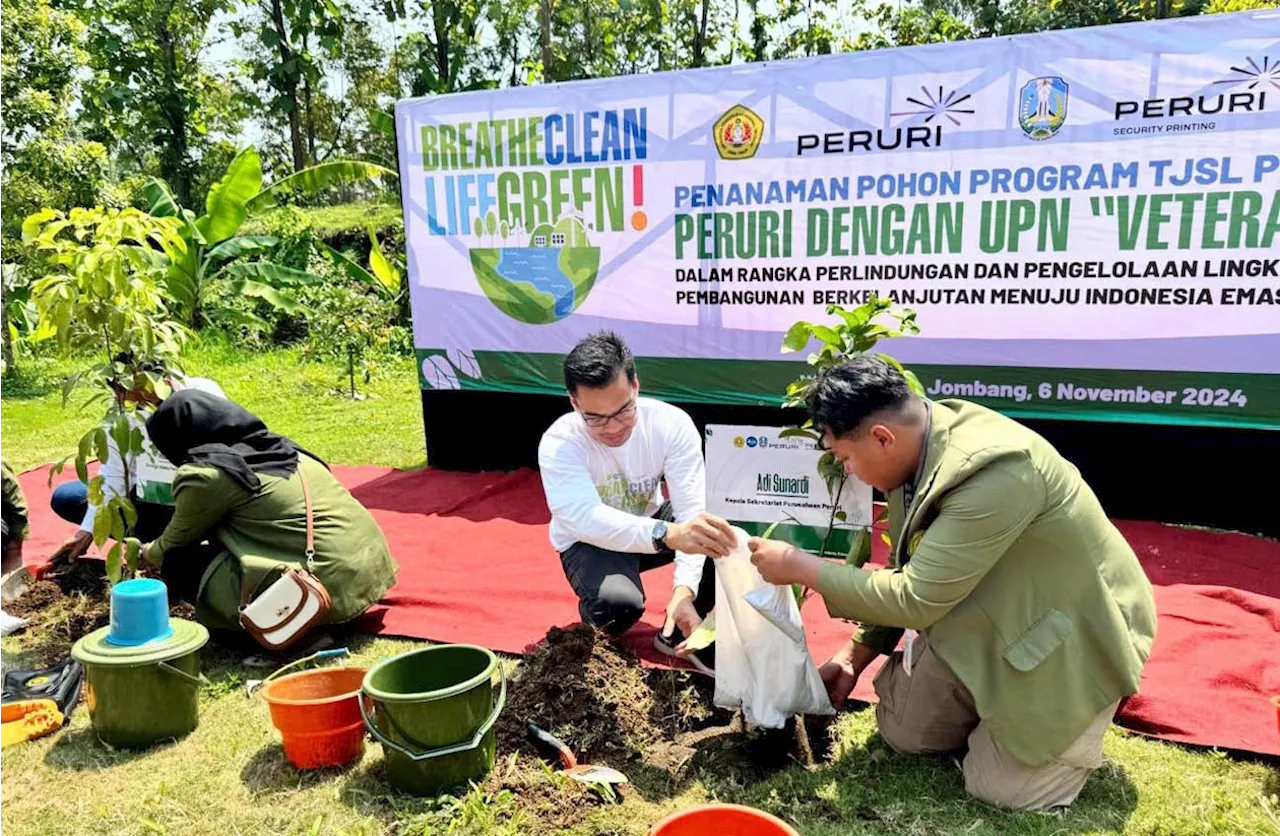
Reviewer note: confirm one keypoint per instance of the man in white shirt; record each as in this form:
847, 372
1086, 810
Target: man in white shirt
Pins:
602, 470
150, 473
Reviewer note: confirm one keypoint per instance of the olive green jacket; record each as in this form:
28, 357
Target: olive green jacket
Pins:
16, 521
266, 528
1009, 566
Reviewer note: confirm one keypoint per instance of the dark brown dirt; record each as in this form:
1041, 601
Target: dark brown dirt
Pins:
584, 689
660, 727
548, 802
65, 605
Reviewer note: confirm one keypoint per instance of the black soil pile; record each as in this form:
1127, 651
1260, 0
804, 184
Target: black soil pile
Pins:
62, 607
548, 802
595, 695
587, 691
67, 604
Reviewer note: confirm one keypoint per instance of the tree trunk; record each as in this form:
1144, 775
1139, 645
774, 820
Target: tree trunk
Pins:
544, 37
311, 116
444, 83
661, 8
700, 37
175, 167
733, 42
5, 272
290, 88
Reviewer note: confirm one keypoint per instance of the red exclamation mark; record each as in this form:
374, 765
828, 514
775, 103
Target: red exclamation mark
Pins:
639, 219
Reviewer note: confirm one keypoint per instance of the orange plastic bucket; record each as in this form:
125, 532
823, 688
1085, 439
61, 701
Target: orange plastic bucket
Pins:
722, 820
318, 715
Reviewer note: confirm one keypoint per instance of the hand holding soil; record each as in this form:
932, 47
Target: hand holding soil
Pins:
74, 548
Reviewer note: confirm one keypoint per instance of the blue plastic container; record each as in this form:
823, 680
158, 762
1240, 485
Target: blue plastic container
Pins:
139, 612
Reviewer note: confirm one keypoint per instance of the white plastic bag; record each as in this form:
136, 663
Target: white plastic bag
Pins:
762, 658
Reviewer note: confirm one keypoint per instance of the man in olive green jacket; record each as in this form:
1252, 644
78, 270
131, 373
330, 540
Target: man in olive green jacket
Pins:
1028, 617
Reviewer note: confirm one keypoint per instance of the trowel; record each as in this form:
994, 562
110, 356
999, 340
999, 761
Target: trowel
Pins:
586, 773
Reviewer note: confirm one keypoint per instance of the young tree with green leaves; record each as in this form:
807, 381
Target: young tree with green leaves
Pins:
103, 297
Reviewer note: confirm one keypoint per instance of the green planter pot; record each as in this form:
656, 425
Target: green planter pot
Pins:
141, 695
433, 711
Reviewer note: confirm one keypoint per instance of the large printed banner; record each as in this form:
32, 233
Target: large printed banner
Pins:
1086, 222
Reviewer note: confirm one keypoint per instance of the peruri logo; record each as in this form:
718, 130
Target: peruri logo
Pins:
737, 133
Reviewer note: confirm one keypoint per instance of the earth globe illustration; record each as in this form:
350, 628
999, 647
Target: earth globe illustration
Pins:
544, 281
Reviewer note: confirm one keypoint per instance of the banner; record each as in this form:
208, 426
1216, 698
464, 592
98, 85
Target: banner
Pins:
1086, 222
756, 478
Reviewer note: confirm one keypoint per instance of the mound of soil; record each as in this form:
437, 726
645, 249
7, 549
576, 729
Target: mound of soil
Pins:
586, 690
658, 726
67, 604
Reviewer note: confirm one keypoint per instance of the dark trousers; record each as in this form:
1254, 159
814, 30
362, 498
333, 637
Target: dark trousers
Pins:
70, 501
607, 583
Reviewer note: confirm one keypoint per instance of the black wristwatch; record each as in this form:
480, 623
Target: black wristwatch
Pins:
660, 536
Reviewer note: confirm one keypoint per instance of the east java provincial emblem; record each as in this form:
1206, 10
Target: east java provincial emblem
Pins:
1042, 106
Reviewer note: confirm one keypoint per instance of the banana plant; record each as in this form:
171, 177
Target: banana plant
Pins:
211, 249
384, 275
333, 173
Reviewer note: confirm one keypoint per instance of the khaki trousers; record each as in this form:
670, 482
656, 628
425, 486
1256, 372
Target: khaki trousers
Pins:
929, 711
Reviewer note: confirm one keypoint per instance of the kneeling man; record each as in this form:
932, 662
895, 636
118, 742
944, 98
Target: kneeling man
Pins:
1027, 615
602, 468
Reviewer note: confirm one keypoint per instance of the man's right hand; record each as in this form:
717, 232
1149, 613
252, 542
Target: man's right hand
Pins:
840, 673
74, 547
704, 534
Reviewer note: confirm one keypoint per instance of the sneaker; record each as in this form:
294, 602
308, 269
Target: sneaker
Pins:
703, 660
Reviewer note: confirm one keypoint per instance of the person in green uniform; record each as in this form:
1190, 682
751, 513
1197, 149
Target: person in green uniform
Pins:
15, 520
1027, 616
240, 514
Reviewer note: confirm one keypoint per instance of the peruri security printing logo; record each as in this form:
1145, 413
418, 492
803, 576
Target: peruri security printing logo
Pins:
528, 195
737, 133
1042, 106
1246, 92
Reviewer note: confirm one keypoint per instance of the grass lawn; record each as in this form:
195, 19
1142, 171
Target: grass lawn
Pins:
295, 397
230, 777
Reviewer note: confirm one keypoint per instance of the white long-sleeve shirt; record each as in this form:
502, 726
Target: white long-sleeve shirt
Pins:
151, 472
606, 496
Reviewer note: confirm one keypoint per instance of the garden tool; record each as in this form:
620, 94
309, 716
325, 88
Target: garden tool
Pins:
60, 683
27, 720
585, 773
15, 584
254, 684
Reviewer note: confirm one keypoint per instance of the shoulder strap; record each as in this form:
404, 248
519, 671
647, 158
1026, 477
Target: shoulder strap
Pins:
247, 594
311, 530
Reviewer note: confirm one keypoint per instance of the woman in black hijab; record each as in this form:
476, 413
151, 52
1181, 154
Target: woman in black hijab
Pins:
194, 427
240, 514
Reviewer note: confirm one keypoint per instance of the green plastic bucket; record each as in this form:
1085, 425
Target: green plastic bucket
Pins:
146, 693
433, 711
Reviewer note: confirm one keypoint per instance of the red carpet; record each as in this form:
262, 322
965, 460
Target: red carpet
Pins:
475, 566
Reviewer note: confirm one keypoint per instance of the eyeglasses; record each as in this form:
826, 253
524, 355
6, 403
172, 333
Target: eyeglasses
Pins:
603, 420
